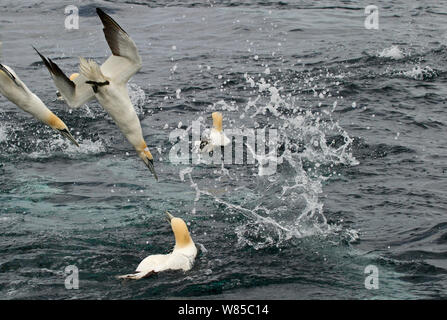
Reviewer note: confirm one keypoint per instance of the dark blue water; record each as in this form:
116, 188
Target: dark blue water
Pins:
361, 172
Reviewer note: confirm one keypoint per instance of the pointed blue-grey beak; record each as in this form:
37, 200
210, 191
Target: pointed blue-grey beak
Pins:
169, 216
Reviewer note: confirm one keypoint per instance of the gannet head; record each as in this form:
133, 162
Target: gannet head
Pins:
57, 124
146, 156
181, 233
217, 121
74, 76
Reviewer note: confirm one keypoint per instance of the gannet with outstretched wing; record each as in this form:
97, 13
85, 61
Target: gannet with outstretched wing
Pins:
108, 84
181, 258
18, 93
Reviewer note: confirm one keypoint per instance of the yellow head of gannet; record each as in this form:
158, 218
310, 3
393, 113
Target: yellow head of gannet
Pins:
146, 156
57, 124
181, 233
181, 258
217, 121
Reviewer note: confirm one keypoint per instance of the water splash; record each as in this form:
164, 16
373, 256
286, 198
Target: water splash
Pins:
275, 208
418, 73
137, 97
392, 52
60, 145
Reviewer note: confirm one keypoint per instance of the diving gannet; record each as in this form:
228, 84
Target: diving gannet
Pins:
216, 137
108, 84
18, 93
181, 258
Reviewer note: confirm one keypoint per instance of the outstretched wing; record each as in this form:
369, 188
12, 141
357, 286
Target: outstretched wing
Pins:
76, 93
125, 60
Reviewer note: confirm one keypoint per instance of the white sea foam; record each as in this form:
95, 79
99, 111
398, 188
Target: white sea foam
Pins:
419, 73
86, 147
392, 52
137, 97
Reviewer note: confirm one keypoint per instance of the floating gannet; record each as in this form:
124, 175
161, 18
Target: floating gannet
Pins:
216, 137
108, 84
18, 93
181, 258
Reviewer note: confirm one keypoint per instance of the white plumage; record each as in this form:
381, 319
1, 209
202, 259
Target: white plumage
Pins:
108, 84
181, 258
216, 138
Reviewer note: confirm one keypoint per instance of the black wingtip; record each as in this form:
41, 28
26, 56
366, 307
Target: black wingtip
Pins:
108, 21
102, 15
37, 51
54, 69
44, 59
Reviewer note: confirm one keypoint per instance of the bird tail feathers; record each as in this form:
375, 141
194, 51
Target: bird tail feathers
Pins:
133, 276
91, 71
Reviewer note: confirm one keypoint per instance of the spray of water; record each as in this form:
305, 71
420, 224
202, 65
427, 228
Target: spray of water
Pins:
36, 141
275, 208
137, 97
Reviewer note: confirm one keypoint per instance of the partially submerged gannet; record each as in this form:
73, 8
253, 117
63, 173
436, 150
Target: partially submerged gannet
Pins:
181, 258
18, 93
216, 137
108, 84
